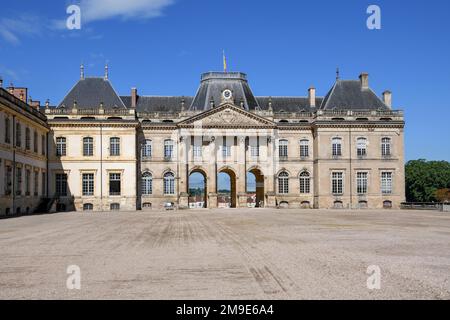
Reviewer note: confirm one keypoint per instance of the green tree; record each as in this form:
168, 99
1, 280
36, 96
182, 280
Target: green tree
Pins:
424, 178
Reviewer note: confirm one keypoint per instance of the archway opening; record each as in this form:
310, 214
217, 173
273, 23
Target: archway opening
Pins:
197, 190
226, 186
255, 188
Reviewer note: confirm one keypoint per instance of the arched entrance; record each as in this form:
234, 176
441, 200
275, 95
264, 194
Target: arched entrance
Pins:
255, 186
226, 189
197, 190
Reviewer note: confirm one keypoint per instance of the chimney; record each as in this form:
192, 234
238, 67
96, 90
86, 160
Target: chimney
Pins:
183, 102
364, 78
106, 72
47, 104
270, 104
19, 93
312, 97
35, 104
387, 98
82, 71
133, 97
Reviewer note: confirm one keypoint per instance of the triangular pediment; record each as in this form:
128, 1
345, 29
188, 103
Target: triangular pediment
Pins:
227, 115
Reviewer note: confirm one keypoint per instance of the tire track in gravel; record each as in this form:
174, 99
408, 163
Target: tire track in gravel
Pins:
274, 282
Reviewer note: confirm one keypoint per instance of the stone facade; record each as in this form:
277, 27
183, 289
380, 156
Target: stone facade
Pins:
110, 152
23, 154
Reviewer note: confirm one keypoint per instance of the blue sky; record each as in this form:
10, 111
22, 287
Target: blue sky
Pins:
162, 47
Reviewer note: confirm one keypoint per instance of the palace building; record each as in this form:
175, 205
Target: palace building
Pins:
97, 150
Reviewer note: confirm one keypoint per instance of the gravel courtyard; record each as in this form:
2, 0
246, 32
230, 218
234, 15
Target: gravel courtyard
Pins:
227, 254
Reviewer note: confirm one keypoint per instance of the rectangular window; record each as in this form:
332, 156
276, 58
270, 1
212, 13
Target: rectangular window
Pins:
36, 183
283, 149
44, 184
197, 150
226, 151
361, 182
61, 147
168, 149
337, 179
8, 180
254, 151
18, 135
114, 147
27, 139
43, 145
114, 184
88, 147
304, 149
27, 182
386, 182
385, 147
147, 149
35, 142
18, 181
61, 184
88, 184
361, 147
7, 131
337, 147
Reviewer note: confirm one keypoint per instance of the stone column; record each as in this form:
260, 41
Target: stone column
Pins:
212, 174
241, 179
183, 173
269, 182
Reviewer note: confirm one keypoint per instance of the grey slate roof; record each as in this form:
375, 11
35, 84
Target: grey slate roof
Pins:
345, 94
288, 104
214, 83
90, 92
158, 103
349, 95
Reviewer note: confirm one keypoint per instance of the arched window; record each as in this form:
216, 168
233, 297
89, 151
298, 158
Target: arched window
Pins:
304, 148
386, 147
27, 139
114, 146
169, 183
61, 147
88, 147
283, 149
147, 149
361, 147
147, 184
283, 183
305, 186
168, 149
336, 147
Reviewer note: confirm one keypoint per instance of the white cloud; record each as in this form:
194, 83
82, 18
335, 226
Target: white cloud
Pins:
24, 24
93, 10
12, 29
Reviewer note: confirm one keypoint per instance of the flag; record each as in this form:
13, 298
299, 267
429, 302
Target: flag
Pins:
224, 62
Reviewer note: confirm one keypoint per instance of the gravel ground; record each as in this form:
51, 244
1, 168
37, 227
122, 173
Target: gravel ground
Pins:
227, 254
